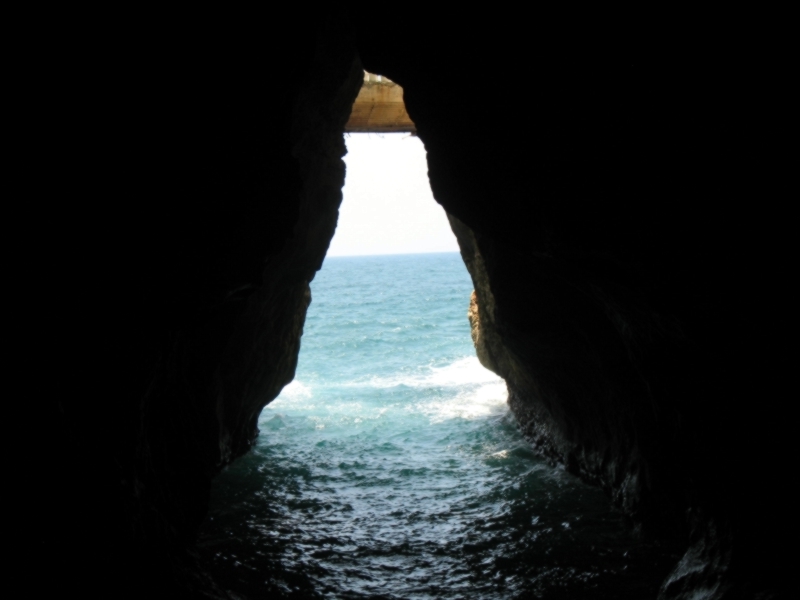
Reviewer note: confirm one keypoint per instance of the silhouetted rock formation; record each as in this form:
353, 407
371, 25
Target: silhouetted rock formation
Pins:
622, 237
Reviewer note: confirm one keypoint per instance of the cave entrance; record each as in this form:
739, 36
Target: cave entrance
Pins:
391, 466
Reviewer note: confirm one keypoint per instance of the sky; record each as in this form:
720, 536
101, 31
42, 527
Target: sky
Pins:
387, 205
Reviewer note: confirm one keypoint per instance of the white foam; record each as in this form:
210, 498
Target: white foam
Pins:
295, 390
467, 391
475, 403
465, 371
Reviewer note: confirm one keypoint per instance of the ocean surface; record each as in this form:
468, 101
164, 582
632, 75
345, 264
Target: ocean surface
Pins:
391, 466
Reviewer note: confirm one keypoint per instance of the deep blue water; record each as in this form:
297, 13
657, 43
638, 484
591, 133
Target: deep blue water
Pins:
391, 467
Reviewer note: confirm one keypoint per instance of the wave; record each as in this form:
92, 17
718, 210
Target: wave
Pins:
463, 372
296, 390
463, 389
472, 403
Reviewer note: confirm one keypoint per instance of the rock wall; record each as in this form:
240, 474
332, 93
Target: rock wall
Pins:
626, 302
215, 151
624, 238
560, 415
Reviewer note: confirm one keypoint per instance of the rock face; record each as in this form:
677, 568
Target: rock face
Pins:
575, 437
227, 174
623, 238
479, 334
379, 107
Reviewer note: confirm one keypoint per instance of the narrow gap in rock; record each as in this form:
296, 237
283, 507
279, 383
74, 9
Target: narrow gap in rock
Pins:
391, 467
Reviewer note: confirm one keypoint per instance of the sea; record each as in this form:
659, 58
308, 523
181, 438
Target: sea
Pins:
392, 468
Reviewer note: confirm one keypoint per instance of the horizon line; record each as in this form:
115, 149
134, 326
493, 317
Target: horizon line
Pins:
391, 254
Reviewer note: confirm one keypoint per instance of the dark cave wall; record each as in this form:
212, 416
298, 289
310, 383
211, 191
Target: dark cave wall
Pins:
634, 306
575, 380
211, 149
628, 295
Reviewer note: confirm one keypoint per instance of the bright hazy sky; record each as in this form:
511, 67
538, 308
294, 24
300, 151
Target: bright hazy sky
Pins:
388, 207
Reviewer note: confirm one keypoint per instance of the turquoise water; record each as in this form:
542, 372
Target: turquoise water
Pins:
391, 467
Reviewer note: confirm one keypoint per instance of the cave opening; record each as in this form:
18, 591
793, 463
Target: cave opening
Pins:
391, 465
630, 224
